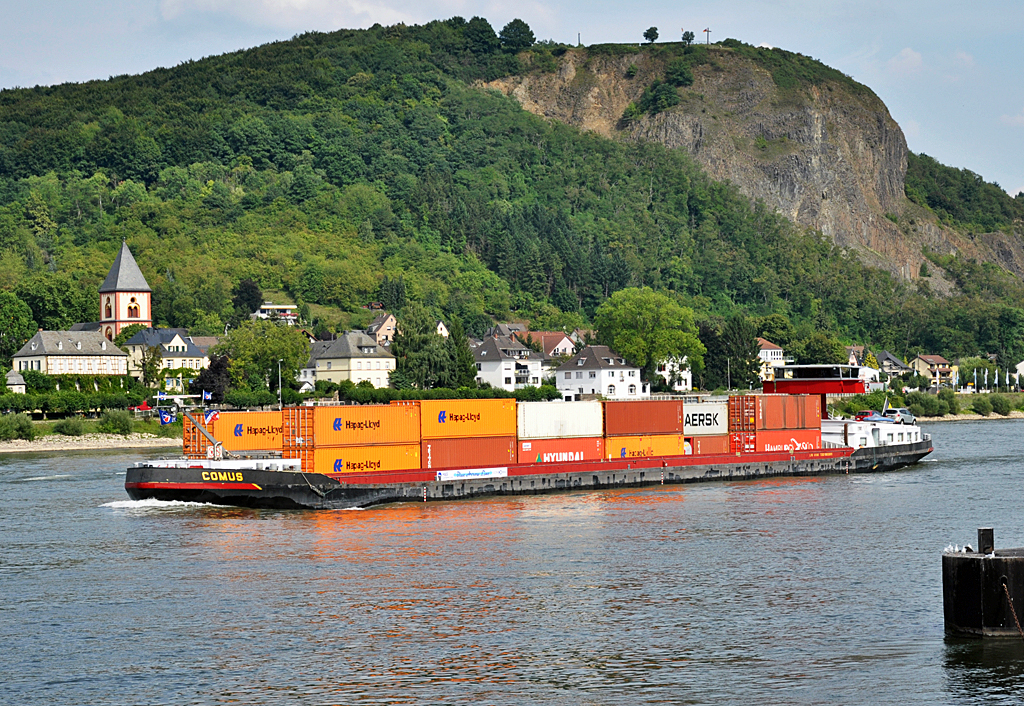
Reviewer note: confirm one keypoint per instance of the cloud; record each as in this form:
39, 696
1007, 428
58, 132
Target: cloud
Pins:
1013, 120
907, 61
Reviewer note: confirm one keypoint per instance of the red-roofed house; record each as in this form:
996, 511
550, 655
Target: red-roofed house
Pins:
934, 367
771, 356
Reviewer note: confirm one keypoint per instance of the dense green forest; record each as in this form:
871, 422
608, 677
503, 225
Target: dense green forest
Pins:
959, 197
333, 165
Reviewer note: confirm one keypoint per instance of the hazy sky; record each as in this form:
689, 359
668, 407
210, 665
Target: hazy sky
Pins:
950, 72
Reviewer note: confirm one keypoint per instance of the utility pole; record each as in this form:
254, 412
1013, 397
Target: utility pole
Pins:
708, 33
280, 397
728, 373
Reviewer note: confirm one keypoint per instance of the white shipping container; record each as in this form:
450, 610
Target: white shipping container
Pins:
705, 418
552, 420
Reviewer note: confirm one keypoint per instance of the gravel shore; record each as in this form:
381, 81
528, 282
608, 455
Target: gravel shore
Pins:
970, 416
56, 442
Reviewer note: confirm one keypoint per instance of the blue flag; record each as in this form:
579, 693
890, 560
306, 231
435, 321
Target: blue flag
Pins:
167, 417
207, 396
161, 395
210, 415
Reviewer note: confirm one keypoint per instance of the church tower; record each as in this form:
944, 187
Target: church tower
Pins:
125, 296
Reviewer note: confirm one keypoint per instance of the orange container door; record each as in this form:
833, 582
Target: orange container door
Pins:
706, 445
650, 446
742, 442
743, 413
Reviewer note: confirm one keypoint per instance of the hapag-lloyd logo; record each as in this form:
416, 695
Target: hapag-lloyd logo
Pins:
443, 417
238, 430
341, 466
793, 445
241, 429
349, 425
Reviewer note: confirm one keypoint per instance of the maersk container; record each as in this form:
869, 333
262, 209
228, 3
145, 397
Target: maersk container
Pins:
468, 453
560, 420
646, 446
366, 459
449, 419
706, 419
361, 425
561, 450
643, 417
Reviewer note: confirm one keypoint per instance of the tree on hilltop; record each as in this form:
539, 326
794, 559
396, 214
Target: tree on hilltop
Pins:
516, 36
651, 35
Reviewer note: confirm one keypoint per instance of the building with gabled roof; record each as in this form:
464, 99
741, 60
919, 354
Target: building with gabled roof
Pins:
181, 358
934, 367
125, 296
383, 328
505, 363
892, 365
71, 352
598, 370
354, 356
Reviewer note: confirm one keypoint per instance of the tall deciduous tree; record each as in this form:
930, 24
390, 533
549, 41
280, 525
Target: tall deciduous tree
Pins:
214, 379
480, 36
57, 301
651, 34
248, 297
150, 365
16, 325
646, 327
732, 357
516, 36
422, 358
254, 349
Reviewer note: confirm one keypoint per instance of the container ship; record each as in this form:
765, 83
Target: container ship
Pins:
349, 456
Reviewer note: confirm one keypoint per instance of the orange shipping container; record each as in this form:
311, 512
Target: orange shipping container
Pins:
645, 446
705, 445
193, 441
643, 417
366, 459
742, 442
249, 431
361, 425
788, 440
468, 453
561, 450
449, 419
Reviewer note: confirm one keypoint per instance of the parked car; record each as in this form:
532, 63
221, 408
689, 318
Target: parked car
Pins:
901, 415
870, 415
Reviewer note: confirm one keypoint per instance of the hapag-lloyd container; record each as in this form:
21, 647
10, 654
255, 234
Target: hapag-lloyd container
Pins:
449, 419
468, 453
361, 425
248, 431
706, 418
788, 440
646, 446
643, 417
559, 420
706, 445
366, 459
561, 450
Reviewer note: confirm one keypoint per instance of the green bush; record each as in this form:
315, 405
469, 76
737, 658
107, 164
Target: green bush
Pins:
116, 421
72, 426
1000, 405
981, 405
917, 410
678, 73
942, 408
16, 426
949, 397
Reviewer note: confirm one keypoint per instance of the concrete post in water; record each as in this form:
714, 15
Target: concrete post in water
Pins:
983, 591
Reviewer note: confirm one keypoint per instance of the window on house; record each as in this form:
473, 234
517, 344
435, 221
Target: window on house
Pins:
611, 390
568, 376
611, 373
508, 381
593, 373
632, 389
579, 374
328, 365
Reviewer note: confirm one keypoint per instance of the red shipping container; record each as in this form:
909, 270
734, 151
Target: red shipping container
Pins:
812, 411
561, 450
788, 440
771, 412
468, 452
743, 413
705, 445
742, 442
643, 417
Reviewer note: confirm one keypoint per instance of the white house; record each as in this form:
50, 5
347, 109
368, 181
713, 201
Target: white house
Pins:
352, 356
178, 353
505, 363
771, 357
677, 374
598, 370
287, 313
15, 382
61, 352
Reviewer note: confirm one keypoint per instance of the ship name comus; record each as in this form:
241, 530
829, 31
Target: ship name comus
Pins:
231, 476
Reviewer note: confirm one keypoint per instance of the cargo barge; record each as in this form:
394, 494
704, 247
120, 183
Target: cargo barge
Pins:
351, 456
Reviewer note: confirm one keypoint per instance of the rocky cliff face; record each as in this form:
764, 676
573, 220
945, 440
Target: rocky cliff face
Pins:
827, 156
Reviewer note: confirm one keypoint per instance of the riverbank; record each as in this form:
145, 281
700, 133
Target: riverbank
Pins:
971, 416
56, 442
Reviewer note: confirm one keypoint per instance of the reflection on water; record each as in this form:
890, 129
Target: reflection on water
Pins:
820, 590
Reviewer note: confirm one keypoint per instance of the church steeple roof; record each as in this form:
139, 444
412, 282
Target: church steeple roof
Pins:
125, 275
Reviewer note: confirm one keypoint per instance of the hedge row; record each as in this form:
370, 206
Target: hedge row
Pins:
69, 401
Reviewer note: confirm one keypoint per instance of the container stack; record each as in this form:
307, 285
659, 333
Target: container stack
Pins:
706, 427
236, 431
467, 433
560, 432
353, 438
645, 429
771, 423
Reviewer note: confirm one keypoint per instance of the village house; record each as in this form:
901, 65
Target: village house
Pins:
503, 362
354, 356
892, 365
383, 328
285, 313
181, 358
71, 352
15, 382
676, 373
936, 368
598, 370
771, 357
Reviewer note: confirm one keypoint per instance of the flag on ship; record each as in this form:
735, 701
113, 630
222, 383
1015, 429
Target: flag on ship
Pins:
167, 417
211, 415
161, 395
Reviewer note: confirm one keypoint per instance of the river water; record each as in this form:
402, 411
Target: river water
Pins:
824, 590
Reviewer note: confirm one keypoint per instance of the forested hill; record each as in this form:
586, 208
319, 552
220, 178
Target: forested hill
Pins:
329, 164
